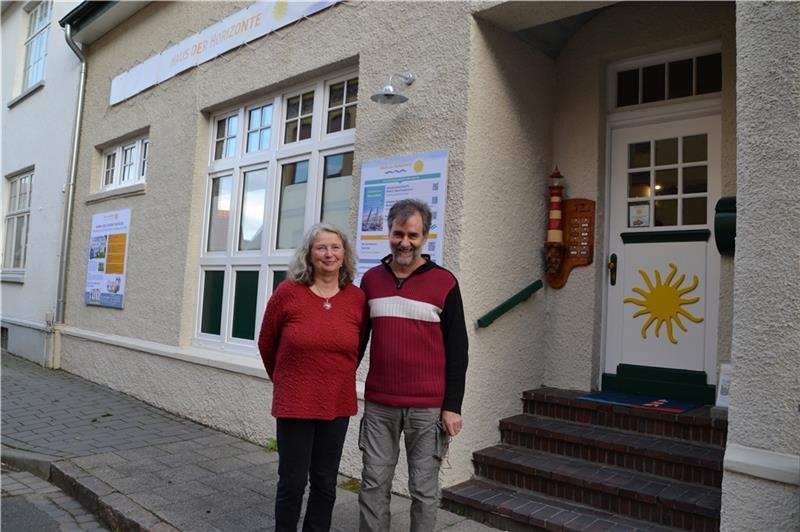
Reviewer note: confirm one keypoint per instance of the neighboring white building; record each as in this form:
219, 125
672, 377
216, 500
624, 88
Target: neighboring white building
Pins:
39, 97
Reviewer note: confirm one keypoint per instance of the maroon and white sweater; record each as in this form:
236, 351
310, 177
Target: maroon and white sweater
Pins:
419, 350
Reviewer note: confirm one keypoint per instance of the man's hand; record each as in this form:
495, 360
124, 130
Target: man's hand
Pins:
451, 422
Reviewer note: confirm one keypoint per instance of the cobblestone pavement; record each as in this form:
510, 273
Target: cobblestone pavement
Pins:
32, 504
139, 467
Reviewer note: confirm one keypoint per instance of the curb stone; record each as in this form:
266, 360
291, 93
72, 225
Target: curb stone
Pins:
36, 463
114, 509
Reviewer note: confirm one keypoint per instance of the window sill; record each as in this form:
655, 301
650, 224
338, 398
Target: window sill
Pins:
17, 277
36, 87
121, 192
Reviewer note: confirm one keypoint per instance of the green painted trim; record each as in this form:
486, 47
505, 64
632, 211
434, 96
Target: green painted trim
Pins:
704, 394
652, 373
651, 237
489, 318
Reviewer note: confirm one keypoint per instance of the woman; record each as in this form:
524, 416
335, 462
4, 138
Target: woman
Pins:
309, 343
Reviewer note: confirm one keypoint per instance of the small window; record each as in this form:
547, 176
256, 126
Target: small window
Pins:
259, 128
342, 105
299, 114
125, 164
337, 189
36, 44
17, 220
225, 145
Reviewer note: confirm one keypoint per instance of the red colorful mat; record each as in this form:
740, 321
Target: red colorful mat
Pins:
646, 402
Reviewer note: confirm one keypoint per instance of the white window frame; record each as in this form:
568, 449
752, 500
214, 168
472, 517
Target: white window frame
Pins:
268, 259
36, 44
138, 163
17, 211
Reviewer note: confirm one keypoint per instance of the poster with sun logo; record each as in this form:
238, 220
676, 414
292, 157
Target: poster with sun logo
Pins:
420, 176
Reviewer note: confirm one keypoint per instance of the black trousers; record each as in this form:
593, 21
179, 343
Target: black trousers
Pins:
308, 450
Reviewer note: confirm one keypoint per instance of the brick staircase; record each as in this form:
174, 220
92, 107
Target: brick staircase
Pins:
568, 464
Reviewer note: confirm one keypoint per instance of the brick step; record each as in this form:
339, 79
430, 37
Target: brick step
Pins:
679, 460
701, 425
629, 493
508, 509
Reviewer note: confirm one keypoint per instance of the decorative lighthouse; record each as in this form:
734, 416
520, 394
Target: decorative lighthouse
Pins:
555, 229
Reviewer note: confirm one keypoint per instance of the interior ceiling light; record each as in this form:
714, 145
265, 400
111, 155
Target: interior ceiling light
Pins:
389, 93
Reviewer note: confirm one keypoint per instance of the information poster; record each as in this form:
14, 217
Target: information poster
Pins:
420, 176
108, 253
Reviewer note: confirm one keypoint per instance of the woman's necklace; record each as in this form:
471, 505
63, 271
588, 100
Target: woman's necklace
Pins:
327, 305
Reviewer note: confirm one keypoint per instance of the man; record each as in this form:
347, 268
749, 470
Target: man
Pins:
418, 363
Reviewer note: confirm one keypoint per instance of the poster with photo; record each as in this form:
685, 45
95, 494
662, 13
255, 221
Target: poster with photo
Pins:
420, 176
108, 254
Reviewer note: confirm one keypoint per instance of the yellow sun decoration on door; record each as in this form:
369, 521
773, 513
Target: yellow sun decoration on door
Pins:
664, 302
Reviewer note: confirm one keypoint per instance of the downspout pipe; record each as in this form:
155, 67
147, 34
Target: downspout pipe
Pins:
66, 222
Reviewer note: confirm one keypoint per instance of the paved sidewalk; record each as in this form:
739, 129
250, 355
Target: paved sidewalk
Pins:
139, 468
30, 503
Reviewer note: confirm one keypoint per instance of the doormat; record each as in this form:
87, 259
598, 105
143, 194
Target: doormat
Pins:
644, 402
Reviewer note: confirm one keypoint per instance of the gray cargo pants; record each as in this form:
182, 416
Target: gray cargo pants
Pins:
379, 440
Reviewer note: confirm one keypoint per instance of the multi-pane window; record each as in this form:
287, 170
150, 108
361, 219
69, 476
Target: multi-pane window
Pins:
669, 178
342, 105
17, 220
299, 111
669, 80
263, 194
36, 44
125, 164
225, 143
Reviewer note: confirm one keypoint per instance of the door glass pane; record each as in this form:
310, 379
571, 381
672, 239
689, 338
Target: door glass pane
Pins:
254, 190
639, 185
694, 211
244, 305
213, 286
695, 148
653, 86
291, 216
639, 155
709, 73
337, 189
219, 213
666, 151
695, 179
666, 182
666, 212
639, 214
680, 78
628, 88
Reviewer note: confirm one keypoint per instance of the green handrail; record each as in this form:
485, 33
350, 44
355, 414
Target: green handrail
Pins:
488, 318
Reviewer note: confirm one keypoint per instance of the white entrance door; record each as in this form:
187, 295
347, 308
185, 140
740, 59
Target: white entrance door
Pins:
663, 276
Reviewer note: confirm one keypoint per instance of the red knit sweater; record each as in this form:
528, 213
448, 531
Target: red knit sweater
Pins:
310, 353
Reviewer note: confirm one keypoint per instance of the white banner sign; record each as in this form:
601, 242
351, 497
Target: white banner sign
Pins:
421, 176
108, 258
243, 26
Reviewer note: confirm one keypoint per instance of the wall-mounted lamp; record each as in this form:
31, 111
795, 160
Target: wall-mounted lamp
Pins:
391, 95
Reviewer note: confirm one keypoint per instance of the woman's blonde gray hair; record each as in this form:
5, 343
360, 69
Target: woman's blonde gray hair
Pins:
301, 270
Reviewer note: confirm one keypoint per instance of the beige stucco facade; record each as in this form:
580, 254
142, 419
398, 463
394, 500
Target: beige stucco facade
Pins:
504, 110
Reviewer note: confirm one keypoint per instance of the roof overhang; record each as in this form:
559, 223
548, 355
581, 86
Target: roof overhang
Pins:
91, 20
